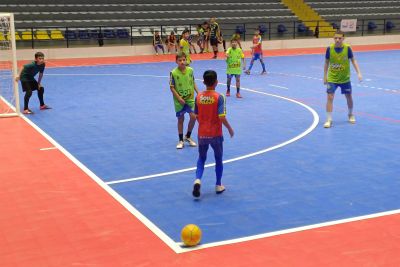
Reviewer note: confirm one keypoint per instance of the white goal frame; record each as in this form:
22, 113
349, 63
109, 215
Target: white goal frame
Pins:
16, 110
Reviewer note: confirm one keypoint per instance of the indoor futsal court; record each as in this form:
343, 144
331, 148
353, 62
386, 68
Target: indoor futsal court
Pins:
97, 180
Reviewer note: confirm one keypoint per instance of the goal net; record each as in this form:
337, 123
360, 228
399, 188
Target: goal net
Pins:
9, 98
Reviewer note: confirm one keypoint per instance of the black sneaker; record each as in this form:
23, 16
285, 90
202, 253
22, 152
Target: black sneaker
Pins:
196, 188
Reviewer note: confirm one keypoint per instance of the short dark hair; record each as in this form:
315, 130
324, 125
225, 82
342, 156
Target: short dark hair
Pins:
339, 33
179, 55
39, 54
209, 77
185, 31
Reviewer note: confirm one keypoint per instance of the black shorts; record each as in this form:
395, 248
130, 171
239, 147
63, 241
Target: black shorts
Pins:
29, 85
214, 41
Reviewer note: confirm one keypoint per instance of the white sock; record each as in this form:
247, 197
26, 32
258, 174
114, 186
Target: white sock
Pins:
329, 116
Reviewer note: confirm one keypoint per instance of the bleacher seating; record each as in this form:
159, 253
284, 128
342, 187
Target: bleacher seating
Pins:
42, 35
86, 13
347, 9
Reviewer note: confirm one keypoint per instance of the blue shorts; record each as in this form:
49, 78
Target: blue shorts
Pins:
257, 56
186, 109
345, 87
229, 76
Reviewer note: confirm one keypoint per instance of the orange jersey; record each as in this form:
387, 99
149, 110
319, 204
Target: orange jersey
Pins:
257, 44
210, 105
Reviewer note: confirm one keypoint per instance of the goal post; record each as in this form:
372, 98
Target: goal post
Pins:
9, 96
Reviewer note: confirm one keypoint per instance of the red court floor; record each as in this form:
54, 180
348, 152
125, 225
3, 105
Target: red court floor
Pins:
53, 214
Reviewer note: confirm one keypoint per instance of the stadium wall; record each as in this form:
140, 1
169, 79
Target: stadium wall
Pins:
120, 51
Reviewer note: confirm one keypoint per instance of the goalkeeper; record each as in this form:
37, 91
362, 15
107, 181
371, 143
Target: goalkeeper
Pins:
29, 84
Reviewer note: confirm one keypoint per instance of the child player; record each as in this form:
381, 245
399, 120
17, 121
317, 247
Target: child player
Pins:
234, 60
211, 114
337, 74
183, 86
29, 84
256, 51
185, 45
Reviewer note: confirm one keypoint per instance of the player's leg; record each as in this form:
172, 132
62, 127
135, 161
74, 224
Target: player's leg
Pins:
181, 119
203, 148
40, 93
350, 104
237, 77
28, 87
219, 167
228, 84
347, 91
191, 124
214, 44
330, 90
264, 71
251, 63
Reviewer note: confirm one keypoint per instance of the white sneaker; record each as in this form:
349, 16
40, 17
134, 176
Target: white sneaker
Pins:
328, 124
219, 189
352, 119
180, 145
190, 141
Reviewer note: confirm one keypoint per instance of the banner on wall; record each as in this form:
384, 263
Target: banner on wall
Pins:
348, 25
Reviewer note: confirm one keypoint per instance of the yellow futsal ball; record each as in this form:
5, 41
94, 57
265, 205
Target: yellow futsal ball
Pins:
191, 235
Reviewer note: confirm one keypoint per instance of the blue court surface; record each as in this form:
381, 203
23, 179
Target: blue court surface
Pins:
287, 171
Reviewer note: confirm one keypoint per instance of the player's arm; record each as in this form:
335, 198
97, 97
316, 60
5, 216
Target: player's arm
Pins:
326, 66
227, 125
357, 68
222, 114
243, 61
19, 74
174, 92
195, 86
40, 79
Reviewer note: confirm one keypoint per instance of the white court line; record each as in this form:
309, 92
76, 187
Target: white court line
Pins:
278, 86
292, 230
165, 238
48, 148
307, 131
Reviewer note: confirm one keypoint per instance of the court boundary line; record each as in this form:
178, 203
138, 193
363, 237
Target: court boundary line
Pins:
138, 215
176, 247
290, 230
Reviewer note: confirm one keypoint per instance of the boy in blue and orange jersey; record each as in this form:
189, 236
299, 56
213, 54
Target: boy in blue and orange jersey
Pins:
211, 114
256, 51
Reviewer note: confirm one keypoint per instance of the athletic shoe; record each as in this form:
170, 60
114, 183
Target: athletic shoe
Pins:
43, 107
27, 111
263, 72
328, 124
352, 119
228, 93
219, 189
214, 57
238, 95
247, 72
196, 188
190, 141
180, 145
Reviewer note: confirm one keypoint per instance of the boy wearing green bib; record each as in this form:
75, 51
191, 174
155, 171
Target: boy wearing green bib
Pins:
183, 86
235, 62
337, 74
